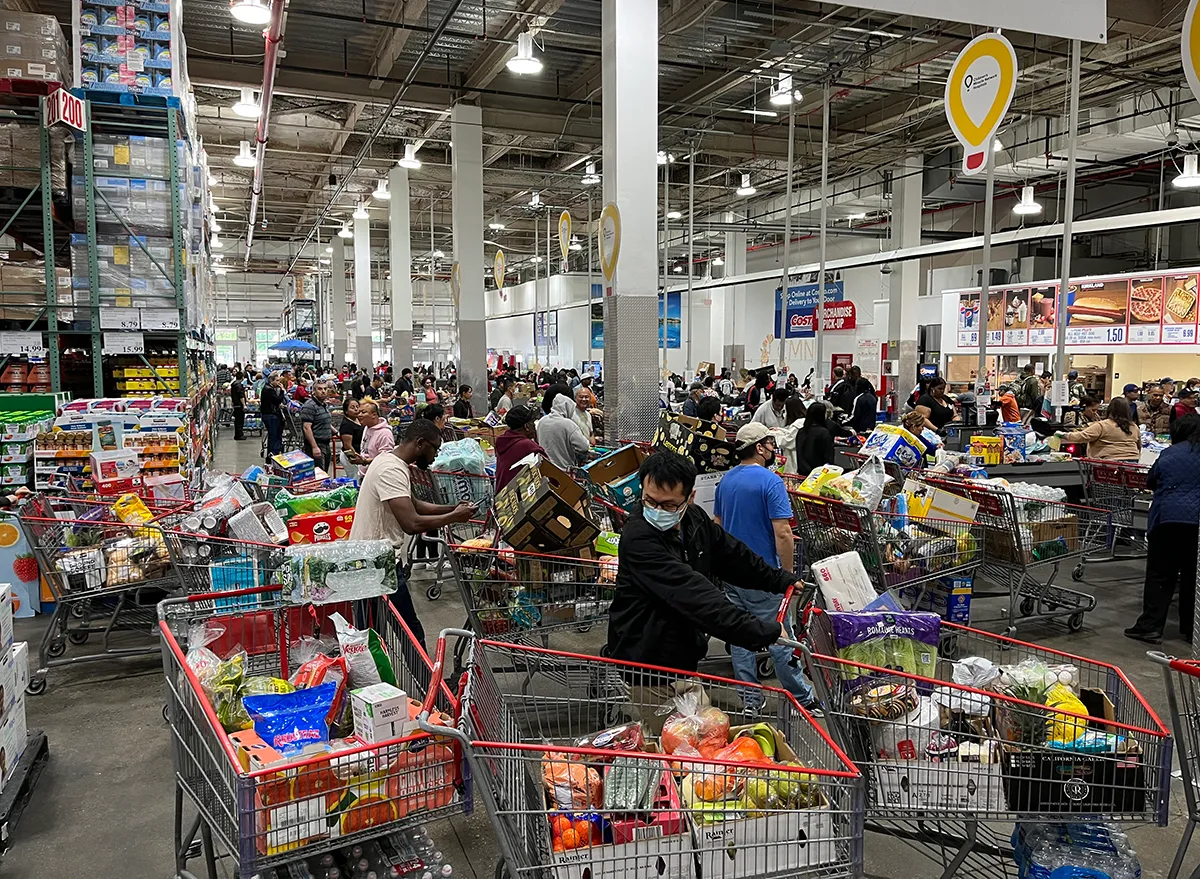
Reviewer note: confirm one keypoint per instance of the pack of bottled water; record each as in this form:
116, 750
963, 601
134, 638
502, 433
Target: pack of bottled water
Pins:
1074, 851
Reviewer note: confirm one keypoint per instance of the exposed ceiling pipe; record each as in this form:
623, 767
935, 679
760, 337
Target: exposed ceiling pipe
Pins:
274, 37
365, 150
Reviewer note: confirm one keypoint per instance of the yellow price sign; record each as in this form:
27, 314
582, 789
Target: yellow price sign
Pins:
1191, 47
609, 233
979, 90
564, 232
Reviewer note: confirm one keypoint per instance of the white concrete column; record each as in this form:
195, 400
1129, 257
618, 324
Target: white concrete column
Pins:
337, 293
905, 282
631, 356
363, 354
400, 253
730, 335
466, 130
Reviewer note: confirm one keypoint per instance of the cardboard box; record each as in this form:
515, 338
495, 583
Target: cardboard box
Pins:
13, 733
893, 443
381, 713
21, 664
921, 785
252, 752
942, 507
6, 618
989, 450
322, 527
702, 441
113, 464
1013, 438
616, 475
1062, 530
543, 510
843, 582
10, 691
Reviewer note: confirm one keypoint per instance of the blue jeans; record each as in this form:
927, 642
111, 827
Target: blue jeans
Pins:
765, 606
274, 426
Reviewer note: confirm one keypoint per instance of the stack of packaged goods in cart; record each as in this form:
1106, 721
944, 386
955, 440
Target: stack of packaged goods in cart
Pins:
402, 855
14, 678
1074, 851
366, 763
130, 46
34, 48
645, 803
18, 433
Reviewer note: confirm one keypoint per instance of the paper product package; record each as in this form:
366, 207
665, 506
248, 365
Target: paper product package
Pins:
893, 443
843, 582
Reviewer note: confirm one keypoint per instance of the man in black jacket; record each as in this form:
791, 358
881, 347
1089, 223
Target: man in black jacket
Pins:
666, 602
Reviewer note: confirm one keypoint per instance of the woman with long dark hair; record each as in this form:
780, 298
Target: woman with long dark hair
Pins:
1114, 437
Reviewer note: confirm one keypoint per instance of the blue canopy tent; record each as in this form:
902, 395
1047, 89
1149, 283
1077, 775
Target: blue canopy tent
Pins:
296, 349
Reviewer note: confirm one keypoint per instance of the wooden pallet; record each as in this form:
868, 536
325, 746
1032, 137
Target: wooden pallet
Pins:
17, 793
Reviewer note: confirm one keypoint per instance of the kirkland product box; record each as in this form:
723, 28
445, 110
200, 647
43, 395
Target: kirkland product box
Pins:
542, 510
702, 441
616, 475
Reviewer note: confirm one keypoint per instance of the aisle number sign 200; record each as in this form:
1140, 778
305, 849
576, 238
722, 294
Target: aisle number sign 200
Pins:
1149, 309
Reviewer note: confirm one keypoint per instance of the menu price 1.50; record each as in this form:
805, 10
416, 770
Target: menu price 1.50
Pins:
1096, 335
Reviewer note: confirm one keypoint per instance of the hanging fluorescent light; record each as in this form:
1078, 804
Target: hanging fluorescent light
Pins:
214, 226
245, 106
535, 200
663, 157
718, 261
997, 146
857, 215
360, 212
590, 177
329, 249
674, 215
1190, 178
244, 158
524, 62
575, 245
220, 270
381, 192
323, 261
345, 232
496, 225
782, 92
437, 254
766, 114
1027, 206
250, 11
746, 189
410, 159
678, 270
215, 242
537, 259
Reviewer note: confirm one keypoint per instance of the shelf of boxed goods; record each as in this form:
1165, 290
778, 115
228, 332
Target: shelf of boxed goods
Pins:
201, 433
59, 455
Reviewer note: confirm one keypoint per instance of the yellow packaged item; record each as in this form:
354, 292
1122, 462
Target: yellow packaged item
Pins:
989, 449
130, 509
1063, 727
817, 477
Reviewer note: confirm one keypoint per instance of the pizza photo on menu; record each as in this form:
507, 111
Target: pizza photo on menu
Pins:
1179, 306
1145, 302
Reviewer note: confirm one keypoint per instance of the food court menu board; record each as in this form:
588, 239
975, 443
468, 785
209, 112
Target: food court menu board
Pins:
1139, 310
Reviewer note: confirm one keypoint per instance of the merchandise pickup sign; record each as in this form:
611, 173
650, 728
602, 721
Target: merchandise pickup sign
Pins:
836, 316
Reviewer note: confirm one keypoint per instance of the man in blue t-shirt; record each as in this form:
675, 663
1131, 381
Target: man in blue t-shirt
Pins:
752, 504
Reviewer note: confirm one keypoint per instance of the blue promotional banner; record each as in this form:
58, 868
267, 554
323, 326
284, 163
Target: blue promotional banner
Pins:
801, 303
597, 309
674, 319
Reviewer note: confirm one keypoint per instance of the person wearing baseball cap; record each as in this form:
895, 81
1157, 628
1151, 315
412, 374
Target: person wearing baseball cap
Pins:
752, 504
1131, 393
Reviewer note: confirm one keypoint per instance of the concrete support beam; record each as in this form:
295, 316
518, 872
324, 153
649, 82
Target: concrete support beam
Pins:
466, 130
400, 255
362, 293
337, 292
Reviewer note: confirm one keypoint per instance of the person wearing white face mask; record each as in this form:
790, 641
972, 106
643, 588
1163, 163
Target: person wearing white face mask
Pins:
667, 600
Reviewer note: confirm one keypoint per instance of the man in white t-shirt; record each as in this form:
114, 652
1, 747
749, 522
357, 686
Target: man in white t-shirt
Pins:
386, 509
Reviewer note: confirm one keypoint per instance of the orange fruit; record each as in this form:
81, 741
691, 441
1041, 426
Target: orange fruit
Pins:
559, 823
9, 535
569, 839
583, 831
557, 844
369, 811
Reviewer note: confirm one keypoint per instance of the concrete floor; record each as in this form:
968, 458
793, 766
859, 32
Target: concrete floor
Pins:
104, 806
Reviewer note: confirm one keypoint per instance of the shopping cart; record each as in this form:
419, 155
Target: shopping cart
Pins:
1022, 535
444, 487
950, 766
529, 732
1182, 678
105, 576
253, 421
1114, 486
898, 551
893, 469
307, 805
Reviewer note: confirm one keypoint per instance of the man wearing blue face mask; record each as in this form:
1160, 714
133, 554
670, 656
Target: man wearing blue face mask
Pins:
667, 601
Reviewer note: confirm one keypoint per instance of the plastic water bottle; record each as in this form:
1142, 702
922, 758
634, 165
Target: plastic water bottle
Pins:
447, 871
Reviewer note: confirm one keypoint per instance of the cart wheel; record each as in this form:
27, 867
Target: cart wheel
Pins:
1077, 574
1028, 605
501, 870
765, 666
1075, 622
56, 648
583, 628
36, 686
434, 592
78, 609
166, 717
78, 636
604, 651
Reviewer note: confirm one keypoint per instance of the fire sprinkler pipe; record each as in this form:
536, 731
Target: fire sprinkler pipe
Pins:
274, 37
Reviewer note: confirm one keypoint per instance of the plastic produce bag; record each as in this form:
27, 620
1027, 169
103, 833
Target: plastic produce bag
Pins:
200, 659
702, 727
461, 456
571, 785
345, 570
869, 481
1065, 728
630, 784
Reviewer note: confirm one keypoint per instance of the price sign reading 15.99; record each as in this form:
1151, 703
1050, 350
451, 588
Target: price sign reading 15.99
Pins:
124, 343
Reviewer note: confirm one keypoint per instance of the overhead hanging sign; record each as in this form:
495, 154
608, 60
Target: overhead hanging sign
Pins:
1085, 20
802, 300
834, 317
564, 233
609, 233
63, 108
979, 90
498, 272
1191, 47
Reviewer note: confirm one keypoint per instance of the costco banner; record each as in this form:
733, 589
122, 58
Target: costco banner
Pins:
801, 303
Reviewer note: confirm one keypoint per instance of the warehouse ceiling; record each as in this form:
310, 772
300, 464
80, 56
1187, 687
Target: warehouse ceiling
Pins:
344, 60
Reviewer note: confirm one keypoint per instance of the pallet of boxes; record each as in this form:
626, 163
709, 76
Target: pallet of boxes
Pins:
23, 752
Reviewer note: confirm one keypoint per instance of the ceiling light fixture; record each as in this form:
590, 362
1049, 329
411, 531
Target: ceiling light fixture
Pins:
323, 261
212, 181
360, 212
590, 177
537, 259
575, 245
245, 106
345, 232
718, 261
215, 242
746, 189
381, 192
496, 225
329, 249
663, 157
766, 114
250, 11
782, 92
674, 215
678, 270
997, 146
1190, 178
214, 225
244, 158
1027, 206
220, 270
524, 62
410, 159
437, 254
857, 215
535, 200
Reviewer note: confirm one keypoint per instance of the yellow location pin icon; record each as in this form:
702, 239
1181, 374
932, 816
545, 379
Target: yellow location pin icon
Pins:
979, 90
564, 233
1191, 47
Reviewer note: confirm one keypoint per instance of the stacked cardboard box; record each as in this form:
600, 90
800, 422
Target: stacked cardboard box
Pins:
135, 46
34, 47
143, 204
129, 277
703, 441
21, 145
14, 677
543, 510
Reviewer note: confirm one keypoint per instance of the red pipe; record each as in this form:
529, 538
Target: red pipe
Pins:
274, 37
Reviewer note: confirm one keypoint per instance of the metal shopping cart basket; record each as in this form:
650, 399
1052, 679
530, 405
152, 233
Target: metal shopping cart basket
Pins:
1022, 535
1182, 678
1115, 486
901, 553
105, 576
567, 800
443, 487
310, 804
949, 766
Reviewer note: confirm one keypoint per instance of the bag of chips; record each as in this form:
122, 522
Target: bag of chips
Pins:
366, 658
289, 722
